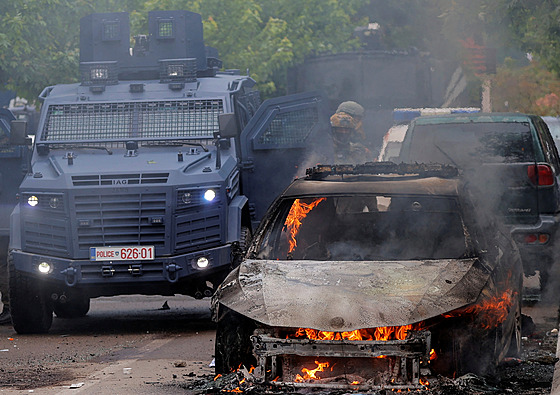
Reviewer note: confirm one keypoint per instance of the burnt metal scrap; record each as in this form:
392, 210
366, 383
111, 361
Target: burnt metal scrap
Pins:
373, 168
350, 362
286, 293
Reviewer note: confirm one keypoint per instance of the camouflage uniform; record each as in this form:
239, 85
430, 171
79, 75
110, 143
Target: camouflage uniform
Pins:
356, 111
346, 149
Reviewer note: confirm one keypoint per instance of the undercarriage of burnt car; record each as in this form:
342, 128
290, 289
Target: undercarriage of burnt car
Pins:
369, 292
341, 361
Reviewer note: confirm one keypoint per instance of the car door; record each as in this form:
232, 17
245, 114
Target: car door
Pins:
285, 136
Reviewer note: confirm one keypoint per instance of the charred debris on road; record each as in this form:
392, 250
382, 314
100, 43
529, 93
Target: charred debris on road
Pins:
531, 374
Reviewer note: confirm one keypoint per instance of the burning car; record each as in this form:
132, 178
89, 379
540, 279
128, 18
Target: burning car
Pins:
372, 276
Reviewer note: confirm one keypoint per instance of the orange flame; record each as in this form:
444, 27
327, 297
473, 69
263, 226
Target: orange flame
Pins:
424, 381
218, 376
433, 355
297, 213
310, 374
382, 333
492, 312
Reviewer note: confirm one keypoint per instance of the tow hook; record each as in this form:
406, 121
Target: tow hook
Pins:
107, 271
71, 276
171, 272
135, 270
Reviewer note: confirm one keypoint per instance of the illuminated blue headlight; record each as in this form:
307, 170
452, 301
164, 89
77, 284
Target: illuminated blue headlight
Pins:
33, 200
209, 195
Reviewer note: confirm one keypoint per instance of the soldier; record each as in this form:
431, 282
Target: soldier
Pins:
356, 111
347, 146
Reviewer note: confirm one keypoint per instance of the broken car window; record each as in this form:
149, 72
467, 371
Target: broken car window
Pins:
366, 228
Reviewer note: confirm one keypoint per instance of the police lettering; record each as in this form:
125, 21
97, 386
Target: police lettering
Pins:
105, 254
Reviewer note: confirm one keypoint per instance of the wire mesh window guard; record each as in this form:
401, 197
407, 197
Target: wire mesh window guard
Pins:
185, 119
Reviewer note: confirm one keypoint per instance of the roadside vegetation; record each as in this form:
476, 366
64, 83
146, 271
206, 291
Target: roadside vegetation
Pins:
40, 38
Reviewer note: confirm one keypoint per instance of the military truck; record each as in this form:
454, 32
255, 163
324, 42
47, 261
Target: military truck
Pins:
150, 172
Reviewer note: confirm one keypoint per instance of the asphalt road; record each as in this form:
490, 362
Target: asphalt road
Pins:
134, 345
125, 345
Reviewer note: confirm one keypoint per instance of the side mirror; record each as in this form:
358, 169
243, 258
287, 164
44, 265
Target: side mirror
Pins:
228, 125
18, 132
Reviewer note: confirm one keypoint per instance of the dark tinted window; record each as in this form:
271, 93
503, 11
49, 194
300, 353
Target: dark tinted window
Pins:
470, 143
366, 228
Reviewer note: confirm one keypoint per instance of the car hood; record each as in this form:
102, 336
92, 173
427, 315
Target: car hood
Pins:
346, 295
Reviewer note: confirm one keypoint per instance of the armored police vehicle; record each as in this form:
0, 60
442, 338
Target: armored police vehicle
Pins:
147, 174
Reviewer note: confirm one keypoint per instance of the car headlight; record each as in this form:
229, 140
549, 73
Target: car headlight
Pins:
44, 268
209, 195
186, 197
33, 200
54, 202
202, 262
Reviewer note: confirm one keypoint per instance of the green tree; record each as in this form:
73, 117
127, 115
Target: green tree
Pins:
535, 25
40, 38
267, 36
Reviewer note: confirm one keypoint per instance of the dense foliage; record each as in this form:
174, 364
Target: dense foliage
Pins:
39, 39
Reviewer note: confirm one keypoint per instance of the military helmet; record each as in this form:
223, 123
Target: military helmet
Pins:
343, 120
352, 108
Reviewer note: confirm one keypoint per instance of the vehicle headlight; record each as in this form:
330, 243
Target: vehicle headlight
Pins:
33, 200
54, 202
209, 195
44, 267
202, 262
186, 197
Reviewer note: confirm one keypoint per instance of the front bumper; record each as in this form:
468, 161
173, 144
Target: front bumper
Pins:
160, 271
353, 365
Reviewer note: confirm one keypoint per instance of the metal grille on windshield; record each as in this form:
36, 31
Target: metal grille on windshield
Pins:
137, 120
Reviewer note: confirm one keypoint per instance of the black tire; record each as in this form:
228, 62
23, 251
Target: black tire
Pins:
462, 349
514, 349
76, 306
233, 345
30, 306
245, 238
478, 354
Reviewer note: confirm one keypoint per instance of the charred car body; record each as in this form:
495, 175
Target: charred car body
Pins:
511, 162
357, 279
135, 186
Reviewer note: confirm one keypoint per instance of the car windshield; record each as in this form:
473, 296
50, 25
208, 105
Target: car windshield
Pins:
366, 228
465, 144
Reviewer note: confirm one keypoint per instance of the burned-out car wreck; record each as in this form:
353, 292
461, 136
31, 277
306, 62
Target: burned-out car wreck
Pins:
370, 277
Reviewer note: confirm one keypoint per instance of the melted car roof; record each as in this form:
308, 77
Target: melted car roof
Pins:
397, 185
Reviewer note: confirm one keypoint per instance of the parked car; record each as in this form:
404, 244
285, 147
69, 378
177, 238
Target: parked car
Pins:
513, 162
553, 124
375, 280
393, 139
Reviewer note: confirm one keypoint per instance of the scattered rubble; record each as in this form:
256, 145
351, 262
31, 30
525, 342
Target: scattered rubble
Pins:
529, 375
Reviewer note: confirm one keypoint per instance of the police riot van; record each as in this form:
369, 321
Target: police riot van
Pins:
148, 174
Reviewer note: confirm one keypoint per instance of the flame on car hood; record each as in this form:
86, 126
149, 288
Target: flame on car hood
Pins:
349, 295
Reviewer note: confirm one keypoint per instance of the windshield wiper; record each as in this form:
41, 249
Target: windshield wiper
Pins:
174, 144
446, 155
